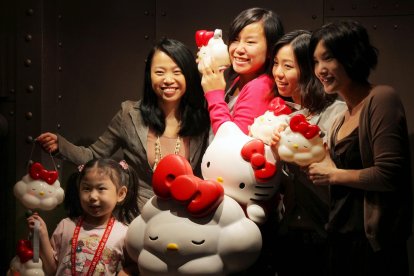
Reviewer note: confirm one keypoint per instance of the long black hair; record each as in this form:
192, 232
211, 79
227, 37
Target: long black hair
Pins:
121, 176
193, 109
312, 95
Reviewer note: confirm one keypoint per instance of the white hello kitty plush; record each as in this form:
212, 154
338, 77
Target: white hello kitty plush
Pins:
190, 227
301, 143
23, 264
275, 117
246, 168
39, 189
212, 50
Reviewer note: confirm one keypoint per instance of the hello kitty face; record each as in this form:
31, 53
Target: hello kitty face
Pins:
40, 189
172, 236
301, 143
224, 162
264, 126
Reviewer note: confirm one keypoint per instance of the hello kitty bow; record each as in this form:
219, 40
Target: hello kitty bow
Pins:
279, 107
254, 153
298, 123
37, 171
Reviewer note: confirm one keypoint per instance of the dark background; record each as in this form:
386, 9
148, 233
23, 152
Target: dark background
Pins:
65, 66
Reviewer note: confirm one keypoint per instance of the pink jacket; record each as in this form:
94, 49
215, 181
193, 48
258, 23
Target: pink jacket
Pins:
252, 101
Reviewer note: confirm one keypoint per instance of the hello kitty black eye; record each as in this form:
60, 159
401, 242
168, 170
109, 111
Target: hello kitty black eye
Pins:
242, 185
198, 242
153, 238
208, 164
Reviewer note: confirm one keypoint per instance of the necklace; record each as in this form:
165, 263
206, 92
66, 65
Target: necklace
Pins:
158, 153
98, 251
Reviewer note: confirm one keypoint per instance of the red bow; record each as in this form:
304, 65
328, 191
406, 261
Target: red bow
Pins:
278, 106
298, 123
38, 172
202, 37
24, 250
174, 178
253, 152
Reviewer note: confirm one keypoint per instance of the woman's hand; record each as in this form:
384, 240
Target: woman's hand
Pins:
322, 173
274, 141
212, 78
48, 141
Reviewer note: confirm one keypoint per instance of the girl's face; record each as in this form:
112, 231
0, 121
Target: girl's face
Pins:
329, 71
167, 79
248, 52
286, 73
99, 196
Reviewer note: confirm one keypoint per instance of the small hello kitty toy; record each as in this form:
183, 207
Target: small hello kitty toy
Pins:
276, 116
190, 227
212, 50
39, 189
301, 143
23, 263
245, 167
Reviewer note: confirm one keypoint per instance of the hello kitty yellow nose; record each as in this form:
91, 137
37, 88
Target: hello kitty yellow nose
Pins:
220, 179
41, 193
296, 146
172, 246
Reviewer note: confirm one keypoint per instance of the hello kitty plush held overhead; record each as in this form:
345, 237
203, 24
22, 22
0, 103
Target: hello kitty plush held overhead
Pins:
245, 167
301, 143
212, 50
190, 227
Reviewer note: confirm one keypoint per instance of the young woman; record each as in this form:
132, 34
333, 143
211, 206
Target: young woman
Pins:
368, 168
101, 201
171, 119
302, 237
250, 88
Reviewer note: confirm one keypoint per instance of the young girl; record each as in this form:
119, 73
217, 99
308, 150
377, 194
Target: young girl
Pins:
251, 37
100, 200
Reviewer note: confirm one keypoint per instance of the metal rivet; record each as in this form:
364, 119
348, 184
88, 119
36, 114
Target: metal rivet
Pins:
163, 13
374, 27
28, 37
314, 16
60, 17
146, 12
146, 36
30, 12
11, 112
29, 115
397, 5
58, 166
332, 8
59, 126
28, 62
29, 88
11, 91
59, 97
60, 44
375, 5
59, 68
29, 139
395, 26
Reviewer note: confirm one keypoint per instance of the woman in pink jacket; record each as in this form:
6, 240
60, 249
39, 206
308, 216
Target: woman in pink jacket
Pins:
249, 85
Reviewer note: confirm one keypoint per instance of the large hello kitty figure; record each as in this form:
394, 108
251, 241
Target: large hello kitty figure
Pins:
275, 117
39, 189
23, 263
301, 143
246, 168
190, 227
212, 50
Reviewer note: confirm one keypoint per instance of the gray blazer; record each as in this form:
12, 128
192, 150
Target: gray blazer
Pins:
127, 132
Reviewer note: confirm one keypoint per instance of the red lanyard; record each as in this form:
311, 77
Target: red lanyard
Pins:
98, 251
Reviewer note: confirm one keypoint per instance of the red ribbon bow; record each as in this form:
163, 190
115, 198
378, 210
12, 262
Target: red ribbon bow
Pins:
278, 106
253, 152
24, 250
202, 37
38, 172
298, 123
174, 178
